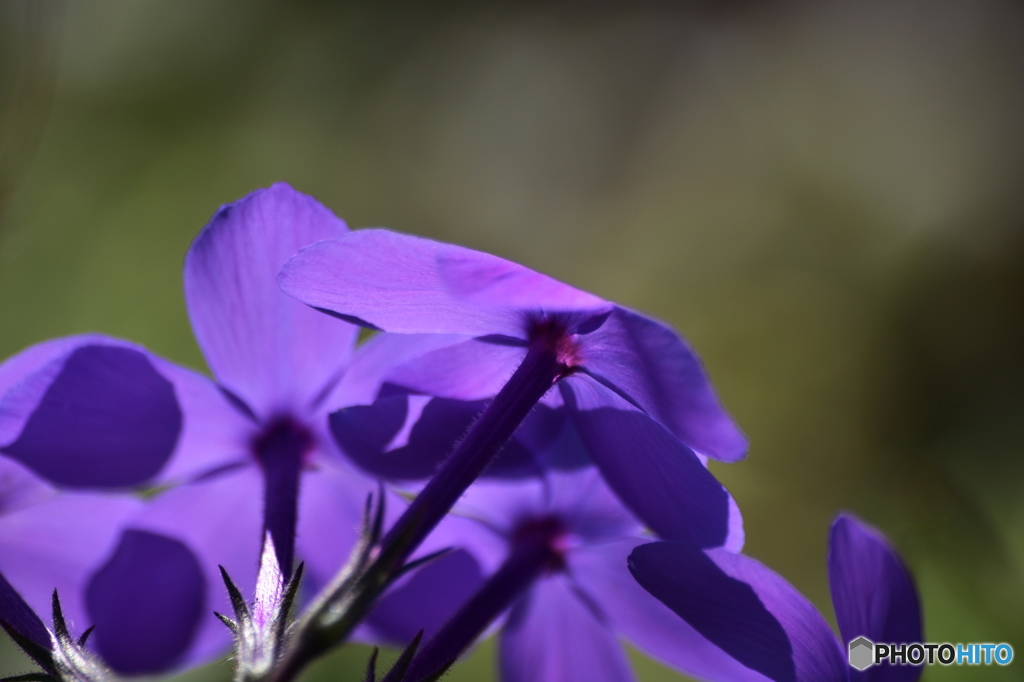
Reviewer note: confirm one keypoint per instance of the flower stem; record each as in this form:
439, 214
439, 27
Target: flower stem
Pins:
332, 618
280, 449
530, 558
537, 373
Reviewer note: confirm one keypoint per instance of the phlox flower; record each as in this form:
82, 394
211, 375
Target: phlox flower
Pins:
222, 460
634, 390
766, 624
402, 437
555, 547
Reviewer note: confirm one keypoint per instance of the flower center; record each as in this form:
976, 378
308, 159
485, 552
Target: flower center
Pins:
546, 535
284, 441
551, 334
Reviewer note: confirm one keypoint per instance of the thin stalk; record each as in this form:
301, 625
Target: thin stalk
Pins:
330, 620
524, 565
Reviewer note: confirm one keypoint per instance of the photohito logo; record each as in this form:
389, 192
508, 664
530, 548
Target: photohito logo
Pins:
863, 653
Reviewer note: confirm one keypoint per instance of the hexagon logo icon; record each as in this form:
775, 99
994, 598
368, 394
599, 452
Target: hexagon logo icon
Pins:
862, 653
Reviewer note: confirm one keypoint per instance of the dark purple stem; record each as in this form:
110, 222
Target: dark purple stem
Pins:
280, 515
538, 372
531, 557
281, 450
18, 618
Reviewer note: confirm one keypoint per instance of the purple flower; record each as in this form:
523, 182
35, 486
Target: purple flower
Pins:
402, 437
636, 393
51, 540
556, 550
760, 619
224, 457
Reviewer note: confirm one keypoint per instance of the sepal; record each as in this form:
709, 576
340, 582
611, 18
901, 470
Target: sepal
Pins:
67, 659
347, 599
401, 666
331, 616
371, 666
41, 655
72, 662
260, 632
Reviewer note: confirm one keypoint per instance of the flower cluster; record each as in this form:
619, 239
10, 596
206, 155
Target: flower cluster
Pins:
505, 451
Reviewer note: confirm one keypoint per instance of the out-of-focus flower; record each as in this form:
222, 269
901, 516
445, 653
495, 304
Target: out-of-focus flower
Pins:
760, 619
556, 547
49, 540
636, 393
221, 457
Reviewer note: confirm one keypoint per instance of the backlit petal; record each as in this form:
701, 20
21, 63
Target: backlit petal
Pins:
272, 352
406, 437
873, 594
219, 520
744, 608
147, 602
554, 634
660, 479
649, 364
98, 412
97, 416
400, 283
57, 543
645, 622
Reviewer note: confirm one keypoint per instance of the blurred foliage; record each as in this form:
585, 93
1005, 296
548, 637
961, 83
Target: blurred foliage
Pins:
823, 196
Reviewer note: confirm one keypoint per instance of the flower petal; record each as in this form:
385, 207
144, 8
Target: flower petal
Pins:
272, 352
553, 634
25, 376
214, 433
873, 593
332, 501
376, 360
97, 416
426, 599
661, 480
332, 507
19, 487
147, 603
406, 437
219, 519
112, 405
466, 369
580, 499
601, 570
587, 506
744, 608
501, 505
56, 543
399, 283
647, 362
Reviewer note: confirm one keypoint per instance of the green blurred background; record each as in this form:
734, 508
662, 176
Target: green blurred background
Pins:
825, 197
